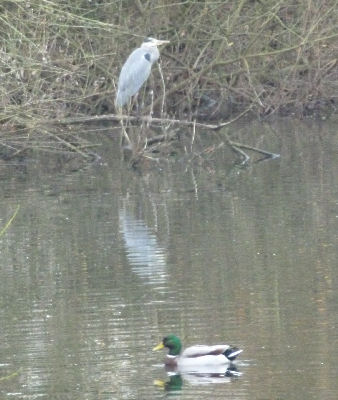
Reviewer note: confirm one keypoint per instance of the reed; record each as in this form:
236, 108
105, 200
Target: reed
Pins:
61, 59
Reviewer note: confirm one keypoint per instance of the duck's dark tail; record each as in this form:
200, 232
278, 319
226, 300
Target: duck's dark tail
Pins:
232, 352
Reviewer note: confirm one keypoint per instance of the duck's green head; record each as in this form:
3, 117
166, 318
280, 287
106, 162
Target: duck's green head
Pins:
173, 343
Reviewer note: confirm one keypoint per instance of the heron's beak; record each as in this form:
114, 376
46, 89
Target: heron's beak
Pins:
159, 347
159, 42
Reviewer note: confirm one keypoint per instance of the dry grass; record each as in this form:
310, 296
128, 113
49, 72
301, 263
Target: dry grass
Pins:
61, 59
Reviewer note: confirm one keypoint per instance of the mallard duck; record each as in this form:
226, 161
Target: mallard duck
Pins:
197, 356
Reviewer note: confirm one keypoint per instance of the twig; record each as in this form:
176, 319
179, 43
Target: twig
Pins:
115, 117
264, 152
220, 63
236, 146
66, 144
161, 138
10, 376
139, 6
193, 135
246, 158
163, 86
3, 230
251, 83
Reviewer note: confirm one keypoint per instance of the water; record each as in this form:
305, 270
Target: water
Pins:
101, 263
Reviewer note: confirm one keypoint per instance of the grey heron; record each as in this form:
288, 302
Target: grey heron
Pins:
136, 70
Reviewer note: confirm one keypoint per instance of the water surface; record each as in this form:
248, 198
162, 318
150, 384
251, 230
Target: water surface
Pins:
101, 263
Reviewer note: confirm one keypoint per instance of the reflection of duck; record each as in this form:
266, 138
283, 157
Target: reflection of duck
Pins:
198, 358
175, 381
206, 378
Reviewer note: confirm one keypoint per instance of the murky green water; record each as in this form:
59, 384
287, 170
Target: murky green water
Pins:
100, 264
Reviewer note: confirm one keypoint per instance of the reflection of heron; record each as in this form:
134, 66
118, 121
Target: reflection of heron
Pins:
136, 70
146, 257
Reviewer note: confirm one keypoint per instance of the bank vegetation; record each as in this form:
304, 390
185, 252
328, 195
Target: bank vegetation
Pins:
60, 60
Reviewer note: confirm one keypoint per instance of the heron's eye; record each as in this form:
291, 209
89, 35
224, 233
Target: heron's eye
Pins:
147, 57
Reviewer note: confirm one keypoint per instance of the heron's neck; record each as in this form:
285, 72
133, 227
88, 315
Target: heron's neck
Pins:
152, 50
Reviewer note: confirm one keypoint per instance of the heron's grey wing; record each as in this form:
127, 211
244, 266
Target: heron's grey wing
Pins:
133, 74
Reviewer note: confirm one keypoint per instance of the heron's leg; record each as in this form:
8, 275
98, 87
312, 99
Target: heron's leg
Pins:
151, 108
124, 132
136, 104
123, 129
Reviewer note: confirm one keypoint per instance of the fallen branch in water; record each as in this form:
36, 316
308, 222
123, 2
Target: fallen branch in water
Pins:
236, 146
149, 119
256, 149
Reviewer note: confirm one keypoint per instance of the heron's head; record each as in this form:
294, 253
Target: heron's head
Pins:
150, 42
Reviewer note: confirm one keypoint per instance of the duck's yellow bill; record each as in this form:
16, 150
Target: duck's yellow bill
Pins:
159, 347
159, 383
